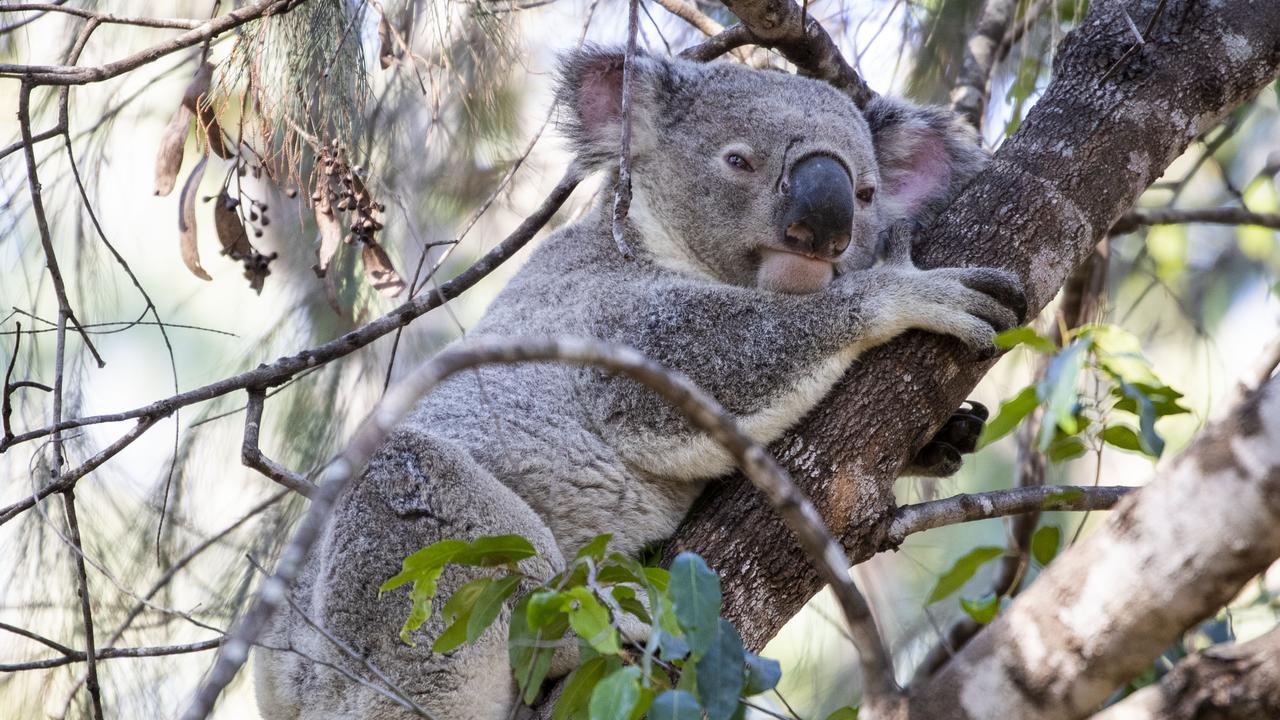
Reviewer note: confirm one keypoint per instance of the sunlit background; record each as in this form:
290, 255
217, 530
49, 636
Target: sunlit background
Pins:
438, 135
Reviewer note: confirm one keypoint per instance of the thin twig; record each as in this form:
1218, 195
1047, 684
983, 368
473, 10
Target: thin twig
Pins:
86, 610
963, 508
111, 653
622, 192
1139, 217
251, 455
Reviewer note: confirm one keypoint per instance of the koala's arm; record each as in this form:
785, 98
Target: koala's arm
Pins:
770, 357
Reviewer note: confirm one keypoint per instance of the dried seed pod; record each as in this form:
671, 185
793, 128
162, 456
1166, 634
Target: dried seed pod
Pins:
378, 270
187, 220
172, 144
231, 232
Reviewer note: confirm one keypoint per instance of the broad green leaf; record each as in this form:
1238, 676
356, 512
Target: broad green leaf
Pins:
530, 649
631, 604
1058, 390
434, 555
658, 578
671, 647
488, 604
846, 713
675, 705
596, 548
720, 672
1045, 543
590, 619
456, 612
646, 700
1123, 437
1025, 335
544, 605
762, 674
617, 695
494, 550
960, 572
695, 593
983, 610
1164, 399
577, 689
1066, 448
1012, 411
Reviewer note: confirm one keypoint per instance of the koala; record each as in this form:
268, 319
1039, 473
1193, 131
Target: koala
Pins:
760, 203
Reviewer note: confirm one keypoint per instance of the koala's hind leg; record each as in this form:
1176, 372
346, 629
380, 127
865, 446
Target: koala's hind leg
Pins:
416, 491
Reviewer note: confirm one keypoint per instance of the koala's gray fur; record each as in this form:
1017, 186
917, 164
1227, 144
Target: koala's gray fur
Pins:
559, 454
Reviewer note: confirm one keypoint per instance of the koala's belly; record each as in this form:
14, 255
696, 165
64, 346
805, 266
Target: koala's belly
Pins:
537, 444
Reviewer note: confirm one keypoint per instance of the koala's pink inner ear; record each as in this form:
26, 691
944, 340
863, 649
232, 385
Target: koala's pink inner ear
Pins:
915, 167
600, 93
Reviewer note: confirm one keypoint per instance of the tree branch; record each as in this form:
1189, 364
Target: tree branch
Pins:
1165, 559
1239, 681
799, 37
963, 508
1134, 219
973, 86
251, 454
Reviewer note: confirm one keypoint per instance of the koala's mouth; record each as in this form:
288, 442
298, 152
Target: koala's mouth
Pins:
792, 272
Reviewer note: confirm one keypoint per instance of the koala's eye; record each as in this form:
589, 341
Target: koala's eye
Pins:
866, 194
739, 162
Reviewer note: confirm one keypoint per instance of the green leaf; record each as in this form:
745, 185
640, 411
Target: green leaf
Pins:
1045, 543
658, 578
530, 649
720, 672
423, 563
1066, 448
675, 705
544, 606
1149, 441
762, 674
633, 606
1012, 411
695, 593
983, 610
1123, 437
423, 592
1025, 335
671, 647
488, 604
617, 695
590, 619
494, 550
577, 689
596, 548
845, 713
1164, 399
960, 572
456, 612
1058, 390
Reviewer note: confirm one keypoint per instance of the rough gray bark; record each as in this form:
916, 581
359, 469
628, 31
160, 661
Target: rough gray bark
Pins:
1083, 156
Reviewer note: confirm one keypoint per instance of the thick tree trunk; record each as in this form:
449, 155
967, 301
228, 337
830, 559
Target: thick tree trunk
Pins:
1107, 126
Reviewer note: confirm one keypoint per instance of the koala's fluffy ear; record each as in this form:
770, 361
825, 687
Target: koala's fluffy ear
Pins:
926, 155
590, 95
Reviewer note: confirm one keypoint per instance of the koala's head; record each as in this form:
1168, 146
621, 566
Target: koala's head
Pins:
758, 177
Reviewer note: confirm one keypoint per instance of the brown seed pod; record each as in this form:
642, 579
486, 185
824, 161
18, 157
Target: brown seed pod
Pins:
378, 270
187, 220
173, 141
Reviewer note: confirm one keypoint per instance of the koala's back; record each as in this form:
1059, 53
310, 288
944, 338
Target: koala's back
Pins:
538, 427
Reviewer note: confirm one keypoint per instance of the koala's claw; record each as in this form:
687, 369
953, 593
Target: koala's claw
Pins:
941, 456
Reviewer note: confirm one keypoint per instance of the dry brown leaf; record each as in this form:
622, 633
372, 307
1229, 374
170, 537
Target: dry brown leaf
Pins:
169, 155
231, 232
187, 220
386, 45
378, 270
196, 99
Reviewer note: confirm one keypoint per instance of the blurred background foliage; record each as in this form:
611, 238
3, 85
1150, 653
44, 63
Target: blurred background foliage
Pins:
460, 123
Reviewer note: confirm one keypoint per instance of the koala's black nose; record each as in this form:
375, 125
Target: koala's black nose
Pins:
819, 207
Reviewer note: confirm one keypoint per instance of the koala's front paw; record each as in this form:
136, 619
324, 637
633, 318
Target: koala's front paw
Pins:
973, 304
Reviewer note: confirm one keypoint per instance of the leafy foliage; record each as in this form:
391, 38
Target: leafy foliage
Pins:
691, 664
1123, 414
